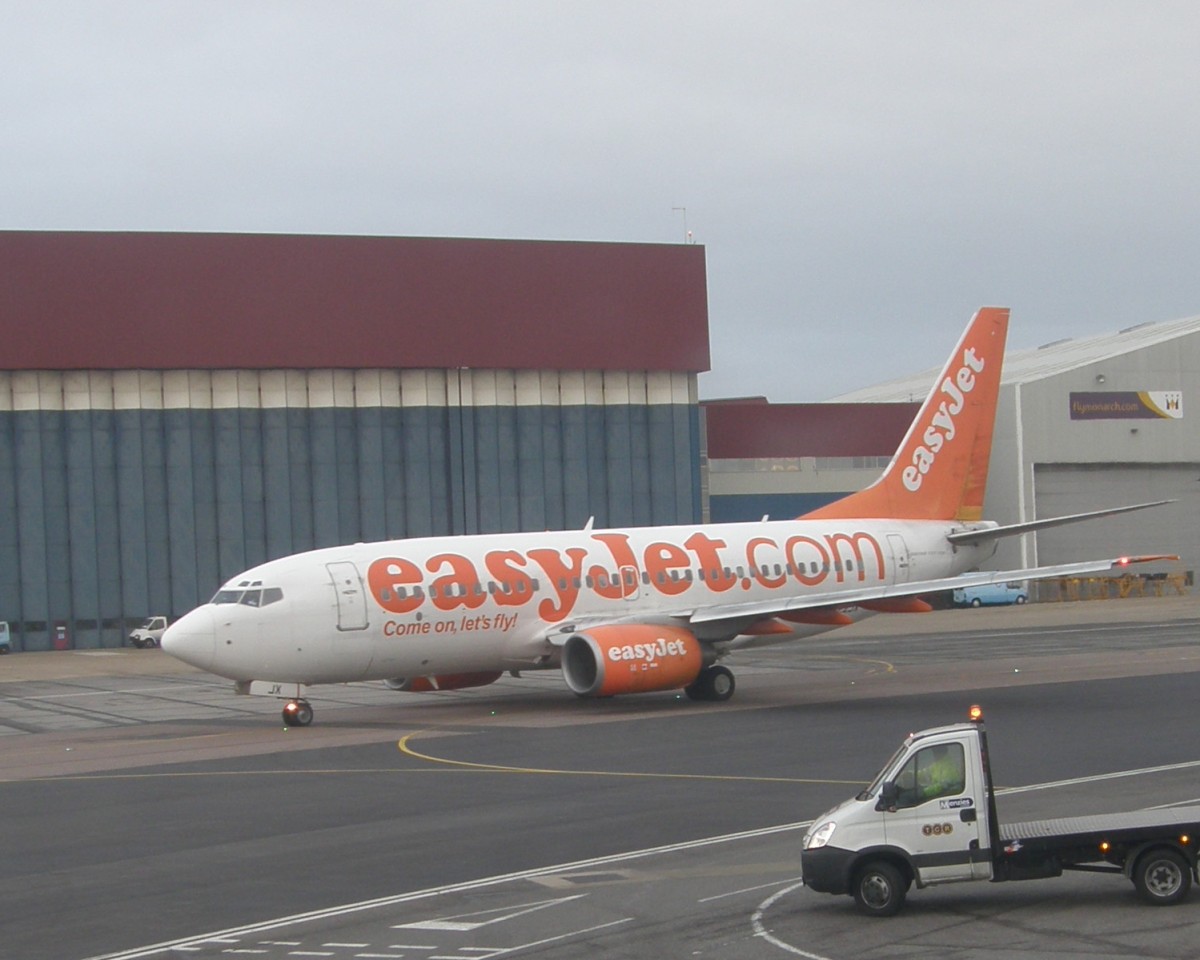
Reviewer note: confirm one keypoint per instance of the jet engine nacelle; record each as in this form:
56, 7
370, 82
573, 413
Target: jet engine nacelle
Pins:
630, 658
447, 681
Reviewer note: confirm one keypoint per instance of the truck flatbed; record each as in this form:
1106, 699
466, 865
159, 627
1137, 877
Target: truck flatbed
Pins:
1103, 823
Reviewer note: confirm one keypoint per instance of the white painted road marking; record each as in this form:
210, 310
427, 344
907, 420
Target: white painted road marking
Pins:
235, 934
460, 921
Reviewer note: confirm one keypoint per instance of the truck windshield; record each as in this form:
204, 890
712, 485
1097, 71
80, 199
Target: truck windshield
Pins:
879, 777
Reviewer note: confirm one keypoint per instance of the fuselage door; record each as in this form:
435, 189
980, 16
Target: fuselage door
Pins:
351, 597
630, 586
901, 564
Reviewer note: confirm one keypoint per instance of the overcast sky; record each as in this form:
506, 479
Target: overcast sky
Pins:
863, 175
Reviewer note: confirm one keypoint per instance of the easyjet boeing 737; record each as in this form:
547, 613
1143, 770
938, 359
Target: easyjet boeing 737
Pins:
629, 610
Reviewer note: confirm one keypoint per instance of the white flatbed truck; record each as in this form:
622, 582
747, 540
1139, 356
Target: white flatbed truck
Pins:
929, 817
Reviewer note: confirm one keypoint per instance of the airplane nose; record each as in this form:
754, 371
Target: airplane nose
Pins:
192, 639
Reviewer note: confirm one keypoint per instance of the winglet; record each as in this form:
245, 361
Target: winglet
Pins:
940, 470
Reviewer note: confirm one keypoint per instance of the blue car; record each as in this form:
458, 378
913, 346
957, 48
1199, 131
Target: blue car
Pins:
990, 594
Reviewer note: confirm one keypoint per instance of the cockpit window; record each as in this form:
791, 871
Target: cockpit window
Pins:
249, 598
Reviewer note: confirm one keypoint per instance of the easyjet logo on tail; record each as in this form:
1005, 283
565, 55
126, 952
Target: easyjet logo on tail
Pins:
941, 429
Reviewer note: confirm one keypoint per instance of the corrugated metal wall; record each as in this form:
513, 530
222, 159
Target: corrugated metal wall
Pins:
130, 493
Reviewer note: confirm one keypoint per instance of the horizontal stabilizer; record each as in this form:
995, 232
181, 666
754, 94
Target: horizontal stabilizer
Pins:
984, 534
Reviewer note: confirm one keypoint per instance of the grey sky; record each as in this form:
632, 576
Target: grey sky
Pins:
862, 174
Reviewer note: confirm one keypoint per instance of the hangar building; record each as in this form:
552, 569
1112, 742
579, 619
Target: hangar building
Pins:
175, 408
1088, 424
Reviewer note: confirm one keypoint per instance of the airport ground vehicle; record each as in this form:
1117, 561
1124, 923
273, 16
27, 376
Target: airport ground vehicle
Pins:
930, 817
990, 594
149, 634
5, 638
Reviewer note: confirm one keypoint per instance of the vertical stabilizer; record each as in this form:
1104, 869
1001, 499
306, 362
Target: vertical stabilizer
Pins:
940, 470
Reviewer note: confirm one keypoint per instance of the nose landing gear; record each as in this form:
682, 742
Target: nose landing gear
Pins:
297, 713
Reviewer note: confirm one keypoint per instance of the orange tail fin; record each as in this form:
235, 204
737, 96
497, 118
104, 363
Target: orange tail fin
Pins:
940, 470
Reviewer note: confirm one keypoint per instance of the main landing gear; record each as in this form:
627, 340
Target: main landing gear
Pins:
297, 713
714, 683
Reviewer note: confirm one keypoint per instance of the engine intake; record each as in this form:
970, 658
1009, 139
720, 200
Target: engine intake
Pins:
630, 658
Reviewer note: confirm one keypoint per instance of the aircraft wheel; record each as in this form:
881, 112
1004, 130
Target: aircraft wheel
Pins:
720, 683
714, 684
297, 713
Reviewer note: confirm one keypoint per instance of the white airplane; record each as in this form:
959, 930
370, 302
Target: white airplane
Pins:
635, 609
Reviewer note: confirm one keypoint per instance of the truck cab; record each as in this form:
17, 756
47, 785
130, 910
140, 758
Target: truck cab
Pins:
925, 815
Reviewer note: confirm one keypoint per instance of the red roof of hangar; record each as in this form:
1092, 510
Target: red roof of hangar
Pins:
220, 301
740, 430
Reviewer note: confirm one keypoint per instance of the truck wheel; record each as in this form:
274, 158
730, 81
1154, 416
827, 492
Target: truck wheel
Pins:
976, 602
1162, 876
879, 889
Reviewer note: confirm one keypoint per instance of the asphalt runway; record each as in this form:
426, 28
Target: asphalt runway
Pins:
148, 812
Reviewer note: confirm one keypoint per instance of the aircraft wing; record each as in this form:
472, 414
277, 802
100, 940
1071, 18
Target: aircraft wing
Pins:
735, 612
